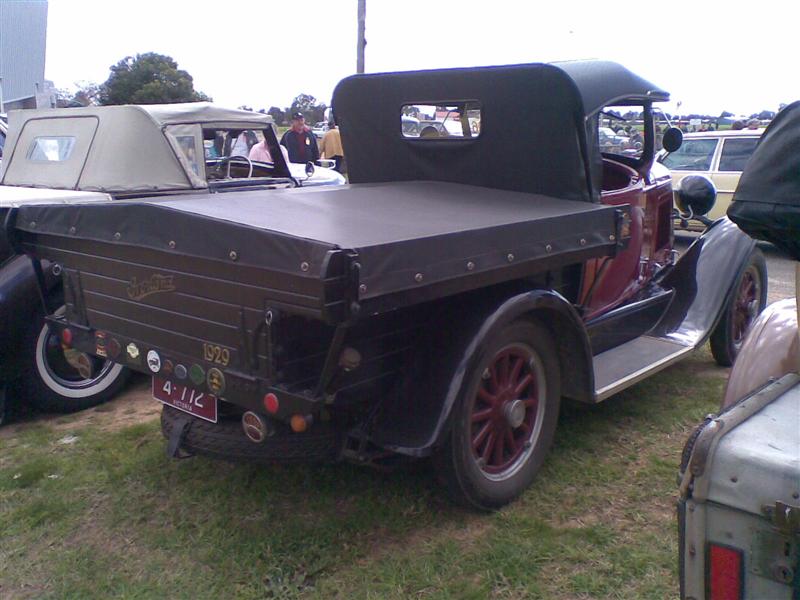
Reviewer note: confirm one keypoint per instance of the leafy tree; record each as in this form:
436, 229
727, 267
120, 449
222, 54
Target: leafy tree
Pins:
86, 93
277, 115
765, 114
307, 104
725, 114
149, 78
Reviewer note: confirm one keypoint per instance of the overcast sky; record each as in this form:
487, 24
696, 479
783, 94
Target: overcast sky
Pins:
710, 55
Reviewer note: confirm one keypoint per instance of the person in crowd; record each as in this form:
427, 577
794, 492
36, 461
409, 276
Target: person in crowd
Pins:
244, 141
331, 146
737, 125
753, 124
300, 141
260, 152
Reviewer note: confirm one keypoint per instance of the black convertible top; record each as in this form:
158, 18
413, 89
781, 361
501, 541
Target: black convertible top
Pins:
766, 204
532, 129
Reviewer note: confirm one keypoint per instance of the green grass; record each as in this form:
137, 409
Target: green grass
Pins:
109, 516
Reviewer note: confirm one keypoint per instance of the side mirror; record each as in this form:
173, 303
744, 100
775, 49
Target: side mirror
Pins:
695, 196
309, 169
672, 140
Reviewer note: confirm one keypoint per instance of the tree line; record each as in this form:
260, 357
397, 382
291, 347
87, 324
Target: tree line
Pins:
152, 78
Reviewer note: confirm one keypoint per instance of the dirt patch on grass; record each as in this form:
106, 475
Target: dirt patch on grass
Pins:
134, 405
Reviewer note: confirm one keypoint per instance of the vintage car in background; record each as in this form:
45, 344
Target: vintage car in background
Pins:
441, 304
319, 129
739, 507
119, 153
719, 155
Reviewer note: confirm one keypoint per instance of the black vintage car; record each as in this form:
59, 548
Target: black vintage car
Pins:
442, 304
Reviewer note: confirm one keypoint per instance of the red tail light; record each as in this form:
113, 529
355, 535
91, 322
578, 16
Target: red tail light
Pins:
725, 573
66, 337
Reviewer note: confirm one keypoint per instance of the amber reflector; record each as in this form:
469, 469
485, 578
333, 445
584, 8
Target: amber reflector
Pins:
299, 423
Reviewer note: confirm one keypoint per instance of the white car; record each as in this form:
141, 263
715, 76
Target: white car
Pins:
720, 155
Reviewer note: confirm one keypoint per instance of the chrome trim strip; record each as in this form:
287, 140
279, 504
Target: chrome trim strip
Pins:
637, 376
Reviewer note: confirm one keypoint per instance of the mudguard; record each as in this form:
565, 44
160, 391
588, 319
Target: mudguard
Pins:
414, 422
703, 279
20, 302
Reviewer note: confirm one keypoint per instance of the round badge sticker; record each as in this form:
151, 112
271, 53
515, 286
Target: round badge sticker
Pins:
215, 381
153, 361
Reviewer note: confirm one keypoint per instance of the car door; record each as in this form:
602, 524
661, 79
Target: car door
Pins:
728, 167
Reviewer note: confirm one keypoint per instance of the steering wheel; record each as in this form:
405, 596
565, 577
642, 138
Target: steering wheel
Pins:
226, 160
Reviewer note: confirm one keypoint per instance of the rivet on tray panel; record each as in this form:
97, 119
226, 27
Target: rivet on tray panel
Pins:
548, 248
418, 277
233, 255
612, 237
583, 242
172, 244
33, 224
117, 235
362, 289
72, 230
470, 266
304, 266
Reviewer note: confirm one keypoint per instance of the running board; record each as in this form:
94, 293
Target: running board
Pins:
629, 363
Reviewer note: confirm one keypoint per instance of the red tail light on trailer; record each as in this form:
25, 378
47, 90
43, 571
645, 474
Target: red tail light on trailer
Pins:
725, 573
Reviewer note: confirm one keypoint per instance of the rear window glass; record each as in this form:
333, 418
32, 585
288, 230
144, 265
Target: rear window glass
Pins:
51, 148
449, 120
693, 155
735, 153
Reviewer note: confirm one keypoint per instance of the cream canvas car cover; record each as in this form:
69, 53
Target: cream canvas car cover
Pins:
127, 149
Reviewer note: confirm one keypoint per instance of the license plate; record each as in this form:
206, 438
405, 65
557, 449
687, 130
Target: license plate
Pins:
198, 404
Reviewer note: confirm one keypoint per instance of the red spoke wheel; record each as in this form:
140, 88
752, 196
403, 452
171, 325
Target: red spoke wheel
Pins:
747, 300
505, 414
504, 418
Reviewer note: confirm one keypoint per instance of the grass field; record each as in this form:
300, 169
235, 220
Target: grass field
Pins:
91, 508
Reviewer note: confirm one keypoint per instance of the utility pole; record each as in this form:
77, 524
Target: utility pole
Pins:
362, 17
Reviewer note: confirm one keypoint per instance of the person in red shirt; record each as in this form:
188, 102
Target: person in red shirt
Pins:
300, 141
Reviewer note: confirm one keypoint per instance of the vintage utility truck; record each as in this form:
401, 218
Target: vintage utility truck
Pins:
441, 304
110, 153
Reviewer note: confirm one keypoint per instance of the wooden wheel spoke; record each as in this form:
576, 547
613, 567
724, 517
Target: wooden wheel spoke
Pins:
515, 370
499, 446
489, 447
523, 385
511, 443
488, 398
478, 440
481, 415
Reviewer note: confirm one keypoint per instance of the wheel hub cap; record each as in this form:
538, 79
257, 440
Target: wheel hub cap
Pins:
514, 413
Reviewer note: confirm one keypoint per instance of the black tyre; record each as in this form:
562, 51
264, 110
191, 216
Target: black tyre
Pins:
504, 419
745, 304
51, 383
225, 440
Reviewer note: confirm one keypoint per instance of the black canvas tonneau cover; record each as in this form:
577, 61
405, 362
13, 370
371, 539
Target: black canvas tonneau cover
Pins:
402, 235
766, 204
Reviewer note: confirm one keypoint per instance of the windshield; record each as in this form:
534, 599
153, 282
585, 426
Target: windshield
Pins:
693, 155
620, 130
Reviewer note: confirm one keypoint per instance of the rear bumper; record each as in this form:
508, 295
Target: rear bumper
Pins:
225, 440
240, 389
